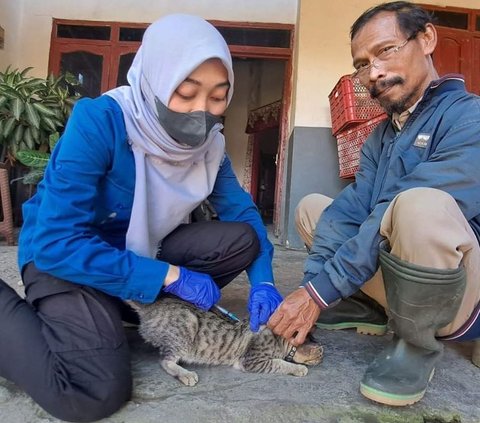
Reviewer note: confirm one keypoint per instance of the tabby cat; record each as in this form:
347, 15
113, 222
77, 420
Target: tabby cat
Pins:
184, 333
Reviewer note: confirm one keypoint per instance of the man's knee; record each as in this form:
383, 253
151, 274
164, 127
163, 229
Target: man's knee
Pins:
418, 199
307, 214
310, 203
420, 209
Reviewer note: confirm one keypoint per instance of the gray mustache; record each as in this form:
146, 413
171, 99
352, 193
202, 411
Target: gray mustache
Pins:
382, 85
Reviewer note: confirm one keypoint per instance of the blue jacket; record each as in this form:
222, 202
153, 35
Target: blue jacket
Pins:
75, 225
439, 147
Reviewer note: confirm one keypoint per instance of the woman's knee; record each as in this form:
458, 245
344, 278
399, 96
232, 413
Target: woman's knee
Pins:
249, 243
90, 399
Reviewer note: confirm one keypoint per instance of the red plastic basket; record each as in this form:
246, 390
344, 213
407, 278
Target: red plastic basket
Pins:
350, 102
349, 144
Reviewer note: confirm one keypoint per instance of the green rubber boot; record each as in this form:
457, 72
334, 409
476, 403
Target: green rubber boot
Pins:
359, 312
421, 300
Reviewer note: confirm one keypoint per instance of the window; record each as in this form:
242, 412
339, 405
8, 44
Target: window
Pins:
451, 19
99, 54
83, 32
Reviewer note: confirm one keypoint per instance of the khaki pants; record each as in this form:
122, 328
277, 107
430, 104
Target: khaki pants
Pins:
424, 226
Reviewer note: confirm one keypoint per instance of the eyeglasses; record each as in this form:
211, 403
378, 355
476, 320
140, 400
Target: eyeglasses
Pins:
387, 53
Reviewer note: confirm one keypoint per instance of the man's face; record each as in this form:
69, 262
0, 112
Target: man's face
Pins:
399, 78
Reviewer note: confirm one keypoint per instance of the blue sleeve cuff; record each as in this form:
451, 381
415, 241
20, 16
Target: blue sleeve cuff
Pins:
146, 280
261, 270
320, 288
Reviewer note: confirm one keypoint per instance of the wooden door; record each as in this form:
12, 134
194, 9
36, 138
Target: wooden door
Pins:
120, 62
476, 65
454, 54
458, 47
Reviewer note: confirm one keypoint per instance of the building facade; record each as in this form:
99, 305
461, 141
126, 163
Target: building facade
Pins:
288, 55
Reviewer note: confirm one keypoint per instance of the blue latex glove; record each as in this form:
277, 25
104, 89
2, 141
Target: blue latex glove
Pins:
264, 299
196, 288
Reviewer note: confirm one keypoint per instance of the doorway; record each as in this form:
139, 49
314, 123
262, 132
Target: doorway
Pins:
265, 152
252, 129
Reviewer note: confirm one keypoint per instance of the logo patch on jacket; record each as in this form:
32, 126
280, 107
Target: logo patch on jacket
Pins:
421, 140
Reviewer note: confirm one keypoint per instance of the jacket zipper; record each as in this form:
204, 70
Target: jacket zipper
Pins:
385, 168
390, 147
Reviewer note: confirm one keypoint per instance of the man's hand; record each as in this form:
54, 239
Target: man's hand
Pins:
295, 316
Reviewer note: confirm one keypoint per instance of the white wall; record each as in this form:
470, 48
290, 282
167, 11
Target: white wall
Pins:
30, 21
236, 118
323, 52
10, 21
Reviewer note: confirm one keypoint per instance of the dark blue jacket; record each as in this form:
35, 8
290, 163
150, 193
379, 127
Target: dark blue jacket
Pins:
439, 147
75, 225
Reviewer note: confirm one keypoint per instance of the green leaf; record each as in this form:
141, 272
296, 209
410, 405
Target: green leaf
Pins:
9, 92
24, 72
18, 134
49, 124
71, 79
30, 83
9, 126
29, 142
3, 100
10, 78
71, 100
53, 139
44, 110
13, 148
17, 108
33, 177
22, 146
32, 115
33, 158
29, 137
35, 132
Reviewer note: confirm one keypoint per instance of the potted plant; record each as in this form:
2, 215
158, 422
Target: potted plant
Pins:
33, 112
31, 109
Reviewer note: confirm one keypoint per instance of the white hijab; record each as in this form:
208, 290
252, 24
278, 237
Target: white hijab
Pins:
171, 179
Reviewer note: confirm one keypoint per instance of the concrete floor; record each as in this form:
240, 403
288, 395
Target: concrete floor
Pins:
329, 393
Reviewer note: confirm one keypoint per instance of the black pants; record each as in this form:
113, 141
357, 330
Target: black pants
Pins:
65, 344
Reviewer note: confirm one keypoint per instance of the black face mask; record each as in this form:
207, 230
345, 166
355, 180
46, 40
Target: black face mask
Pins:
186, 128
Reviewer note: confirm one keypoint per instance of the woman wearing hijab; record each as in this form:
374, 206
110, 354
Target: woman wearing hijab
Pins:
109, 222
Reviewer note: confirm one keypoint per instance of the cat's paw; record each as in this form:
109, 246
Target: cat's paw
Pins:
299, 370
188, 378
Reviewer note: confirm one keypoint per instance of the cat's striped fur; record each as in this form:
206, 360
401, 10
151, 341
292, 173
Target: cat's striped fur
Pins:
186, 334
